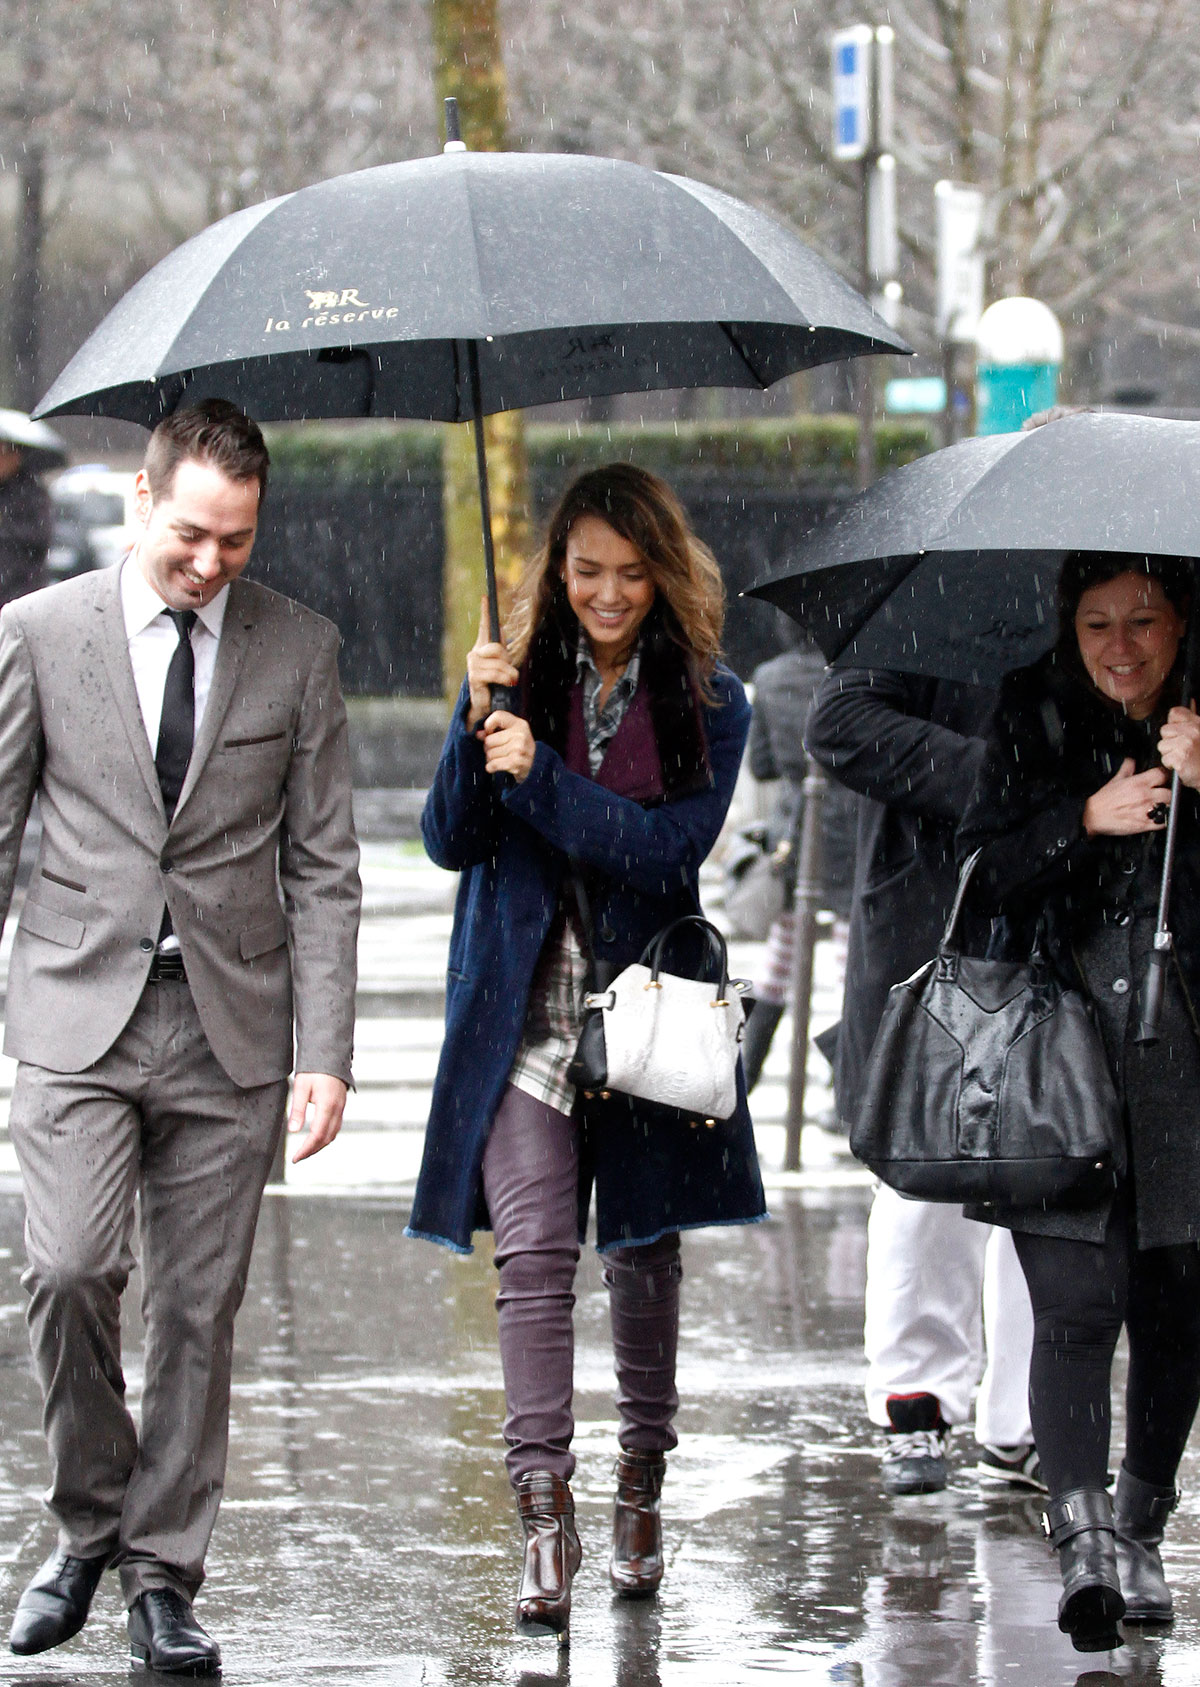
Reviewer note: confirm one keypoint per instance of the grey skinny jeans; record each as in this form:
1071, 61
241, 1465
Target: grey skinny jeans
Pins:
531, 1183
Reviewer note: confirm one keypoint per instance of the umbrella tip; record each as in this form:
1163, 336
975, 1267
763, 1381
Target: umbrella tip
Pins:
454, 140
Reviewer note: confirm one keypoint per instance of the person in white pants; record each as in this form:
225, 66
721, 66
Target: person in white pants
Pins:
930, 1274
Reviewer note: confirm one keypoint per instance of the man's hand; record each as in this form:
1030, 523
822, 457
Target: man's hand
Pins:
326, 1096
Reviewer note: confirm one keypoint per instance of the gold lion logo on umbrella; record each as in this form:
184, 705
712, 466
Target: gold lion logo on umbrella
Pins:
333, 300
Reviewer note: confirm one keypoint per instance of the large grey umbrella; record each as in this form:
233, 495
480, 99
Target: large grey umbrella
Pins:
949, 566
455, 286
573, 276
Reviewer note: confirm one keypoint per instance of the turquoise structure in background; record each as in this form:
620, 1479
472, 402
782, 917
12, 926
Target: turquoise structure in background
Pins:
1006, 395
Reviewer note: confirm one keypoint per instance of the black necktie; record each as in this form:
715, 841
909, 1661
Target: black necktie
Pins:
176, 728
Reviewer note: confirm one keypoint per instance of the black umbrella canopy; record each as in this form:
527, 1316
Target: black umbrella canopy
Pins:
949, 566
576, 276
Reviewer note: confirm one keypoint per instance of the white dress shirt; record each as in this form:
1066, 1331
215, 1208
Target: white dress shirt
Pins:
153, 641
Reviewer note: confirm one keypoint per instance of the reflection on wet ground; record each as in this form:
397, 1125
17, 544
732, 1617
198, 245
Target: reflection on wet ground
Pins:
367, 1532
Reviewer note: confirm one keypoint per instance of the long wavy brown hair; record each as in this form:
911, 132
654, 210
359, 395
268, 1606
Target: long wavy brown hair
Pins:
642, 510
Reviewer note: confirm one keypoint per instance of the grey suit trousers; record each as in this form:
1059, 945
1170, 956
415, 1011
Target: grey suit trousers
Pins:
155, 1117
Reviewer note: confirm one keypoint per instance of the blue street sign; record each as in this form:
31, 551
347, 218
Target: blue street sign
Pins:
851, 51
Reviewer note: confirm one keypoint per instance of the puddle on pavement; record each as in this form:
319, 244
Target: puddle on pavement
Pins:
368, 1536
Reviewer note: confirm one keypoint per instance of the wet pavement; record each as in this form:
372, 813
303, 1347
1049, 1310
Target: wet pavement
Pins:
367, 1534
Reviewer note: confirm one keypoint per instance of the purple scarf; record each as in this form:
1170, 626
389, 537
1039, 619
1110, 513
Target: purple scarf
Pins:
632, 766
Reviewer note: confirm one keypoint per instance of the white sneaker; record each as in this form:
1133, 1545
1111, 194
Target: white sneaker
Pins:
1019, 1466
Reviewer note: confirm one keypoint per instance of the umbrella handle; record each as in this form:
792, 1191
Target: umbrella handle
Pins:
1152, 990
1156, 968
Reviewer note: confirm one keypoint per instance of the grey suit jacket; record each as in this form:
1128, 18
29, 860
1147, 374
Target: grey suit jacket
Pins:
259, 865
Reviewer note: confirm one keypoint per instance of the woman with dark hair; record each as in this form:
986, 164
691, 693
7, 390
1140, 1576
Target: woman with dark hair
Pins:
1070, 809
617, 767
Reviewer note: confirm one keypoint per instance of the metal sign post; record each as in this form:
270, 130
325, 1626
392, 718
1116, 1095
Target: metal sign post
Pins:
861, 63
863, 108
806, 905
959, 210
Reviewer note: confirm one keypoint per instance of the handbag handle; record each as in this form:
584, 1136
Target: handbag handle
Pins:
596, 973
652, 954
1040, 977
960, 896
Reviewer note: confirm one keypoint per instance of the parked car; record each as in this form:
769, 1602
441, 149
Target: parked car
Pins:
94, 521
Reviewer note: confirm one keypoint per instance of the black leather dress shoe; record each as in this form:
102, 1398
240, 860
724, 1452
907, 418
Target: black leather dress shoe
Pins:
164, 1635
55, 1604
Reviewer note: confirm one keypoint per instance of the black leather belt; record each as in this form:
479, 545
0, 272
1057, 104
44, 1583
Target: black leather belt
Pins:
166, 968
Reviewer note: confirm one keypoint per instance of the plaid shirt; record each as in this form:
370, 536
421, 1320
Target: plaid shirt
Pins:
601, 722
554, 1016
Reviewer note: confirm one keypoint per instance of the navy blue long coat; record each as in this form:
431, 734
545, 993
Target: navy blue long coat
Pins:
653, 1173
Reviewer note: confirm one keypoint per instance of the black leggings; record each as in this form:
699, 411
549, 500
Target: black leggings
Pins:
1082, 1292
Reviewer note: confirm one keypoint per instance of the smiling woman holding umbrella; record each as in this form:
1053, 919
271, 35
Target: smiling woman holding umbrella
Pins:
614, 779
1070, 809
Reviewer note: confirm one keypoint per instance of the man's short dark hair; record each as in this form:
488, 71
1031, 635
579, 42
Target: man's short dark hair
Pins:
213, 432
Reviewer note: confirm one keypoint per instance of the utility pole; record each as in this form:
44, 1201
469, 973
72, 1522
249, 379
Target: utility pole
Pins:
862, 131
25, 299
469, 65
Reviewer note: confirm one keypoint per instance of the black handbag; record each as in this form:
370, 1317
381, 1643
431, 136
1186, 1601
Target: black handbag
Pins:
988, 1084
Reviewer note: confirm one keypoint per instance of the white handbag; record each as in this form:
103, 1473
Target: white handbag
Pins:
664, 1037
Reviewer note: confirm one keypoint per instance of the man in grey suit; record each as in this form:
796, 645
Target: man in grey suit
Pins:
190, 926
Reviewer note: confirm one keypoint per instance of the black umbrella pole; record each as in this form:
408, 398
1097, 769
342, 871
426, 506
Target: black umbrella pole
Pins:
1150, 1015
502, 697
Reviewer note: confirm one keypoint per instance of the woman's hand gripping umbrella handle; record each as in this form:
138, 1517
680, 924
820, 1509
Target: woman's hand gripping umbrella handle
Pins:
491, 676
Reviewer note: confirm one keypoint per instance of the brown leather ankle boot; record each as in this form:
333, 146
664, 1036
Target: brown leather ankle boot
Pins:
636, 1568
552, 1555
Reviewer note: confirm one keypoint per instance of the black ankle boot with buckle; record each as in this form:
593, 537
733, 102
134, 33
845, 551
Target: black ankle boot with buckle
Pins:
1140, 1512
1080, 1527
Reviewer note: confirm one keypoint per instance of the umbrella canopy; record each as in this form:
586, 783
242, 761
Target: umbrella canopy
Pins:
949, 566
43, 448
574, 276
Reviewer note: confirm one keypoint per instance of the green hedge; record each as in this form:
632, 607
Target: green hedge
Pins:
809, 448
